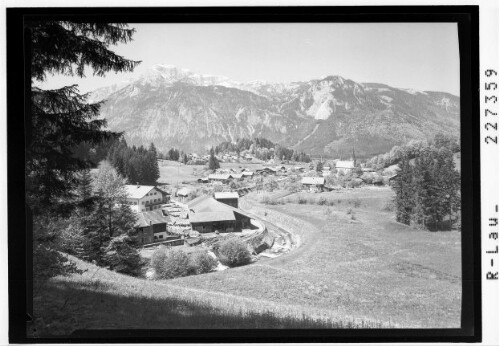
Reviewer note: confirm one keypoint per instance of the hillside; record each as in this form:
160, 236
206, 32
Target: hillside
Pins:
175, 107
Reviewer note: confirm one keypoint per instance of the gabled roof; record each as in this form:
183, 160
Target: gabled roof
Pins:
138, 191
344, 164
206, 203
223, 195
152, 217
212, 216
313, 180
220, 176
183, 192
248, 173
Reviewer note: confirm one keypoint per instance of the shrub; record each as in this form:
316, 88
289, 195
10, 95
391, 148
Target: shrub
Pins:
322, 200
356, 203
234, 252
330, 202
170, 263
302, 200
202, 262
355, 182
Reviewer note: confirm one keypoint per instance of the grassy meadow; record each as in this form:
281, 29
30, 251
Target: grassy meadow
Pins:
354, 267
354, 260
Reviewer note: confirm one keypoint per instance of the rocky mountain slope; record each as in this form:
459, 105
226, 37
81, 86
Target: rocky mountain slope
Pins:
175, 107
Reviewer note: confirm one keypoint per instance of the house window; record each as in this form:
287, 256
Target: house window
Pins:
161, 236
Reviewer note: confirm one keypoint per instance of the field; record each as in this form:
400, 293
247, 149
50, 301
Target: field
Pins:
363, 266
354, 267
173, 172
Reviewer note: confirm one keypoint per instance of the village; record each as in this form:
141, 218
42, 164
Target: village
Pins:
206, 209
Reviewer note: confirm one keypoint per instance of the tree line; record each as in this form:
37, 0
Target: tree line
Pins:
262, 149
137, 164
412, 150
61, 120
428, 188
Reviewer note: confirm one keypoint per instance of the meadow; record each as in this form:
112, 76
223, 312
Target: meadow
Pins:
354, 267
355, 261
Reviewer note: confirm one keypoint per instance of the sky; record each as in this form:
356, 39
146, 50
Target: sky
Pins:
421, 56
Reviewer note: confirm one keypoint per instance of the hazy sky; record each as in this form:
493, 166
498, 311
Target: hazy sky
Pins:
423, 56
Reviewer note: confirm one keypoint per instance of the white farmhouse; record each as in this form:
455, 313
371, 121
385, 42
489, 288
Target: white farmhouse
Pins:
345, 166
145, 197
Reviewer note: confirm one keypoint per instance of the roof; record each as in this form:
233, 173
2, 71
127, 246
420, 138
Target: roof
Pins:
212, 216
267, 169
237, 175
183, 191
219, 176
137, 191
223, 195
152, 217
206, 203
247, 173
344, 164
313, 180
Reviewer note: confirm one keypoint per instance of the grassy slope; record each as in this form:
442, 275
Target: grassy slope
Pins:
100, 299
373, 269
344, 274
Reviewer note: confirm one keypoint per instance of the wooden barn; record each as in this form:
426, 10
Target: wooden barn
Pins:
313, 184
152, 226
229, 198
222, 178
206, 214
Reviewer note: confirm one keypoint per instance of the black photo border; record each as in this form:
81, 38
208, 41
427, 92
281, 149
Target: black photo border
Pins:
19, 236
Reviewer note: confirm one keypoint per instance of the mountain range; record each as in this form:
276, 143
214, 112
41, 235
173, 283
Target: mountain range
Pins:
175, 107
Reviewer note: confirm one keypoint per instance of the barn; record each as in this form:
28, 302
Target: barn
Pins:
206, 214
152, 226
223, 178
313, 184
229, 198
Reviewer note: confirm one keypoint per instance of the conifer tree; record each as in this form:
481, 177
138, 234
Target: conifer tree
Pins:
60, 120
213, 162
404, 193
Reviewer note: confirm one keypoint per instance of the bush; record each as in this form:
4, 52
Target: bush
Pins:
170, 263
355, 182
302, 200
234, 252
322, 200
202, 262
330, 202
356, 203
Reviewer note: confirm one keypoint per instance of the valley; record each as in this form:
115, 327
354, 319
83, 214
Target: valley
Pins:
364, 271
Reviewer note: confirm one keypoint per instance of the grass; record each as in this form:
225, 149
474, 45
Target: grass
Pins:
100, 299
372, 272
372, 268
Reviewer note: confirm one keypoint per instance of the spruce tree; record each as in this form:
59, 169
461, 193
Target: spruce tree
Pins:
61, 119
404, 189
213, 162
